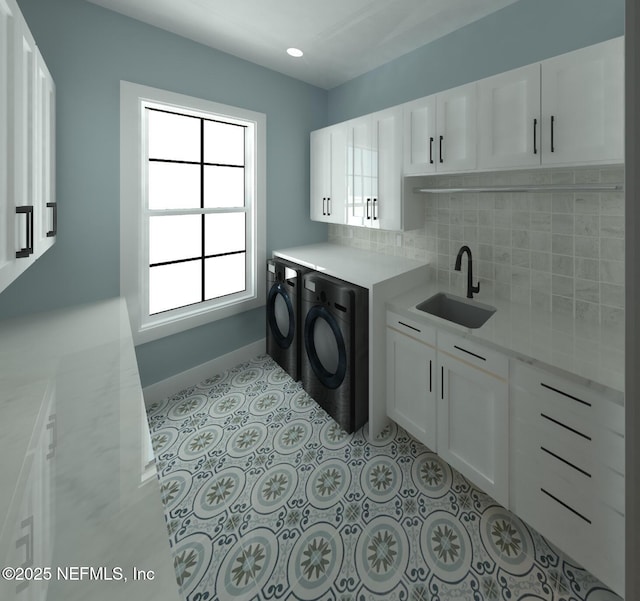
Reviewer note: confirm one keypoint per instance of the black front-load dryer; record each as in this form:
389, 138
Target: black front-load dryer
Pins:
335, 360
284, 341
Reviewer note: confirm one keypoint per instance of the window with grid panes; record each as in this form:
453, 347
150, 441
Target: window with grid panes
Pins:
201, 234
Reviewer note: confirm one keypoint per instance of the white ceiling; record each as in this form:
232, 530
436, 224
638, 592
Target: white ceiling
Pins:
341, 39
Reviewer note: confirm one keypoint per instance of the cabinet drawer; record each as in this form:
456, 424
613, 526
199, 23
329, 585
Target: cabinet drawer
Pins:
473, 354
569, 400
585, 527
414, 329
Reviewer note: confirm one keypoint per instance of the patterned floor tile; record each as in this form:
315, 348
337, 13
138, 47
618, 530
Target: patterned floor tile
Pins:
266, 498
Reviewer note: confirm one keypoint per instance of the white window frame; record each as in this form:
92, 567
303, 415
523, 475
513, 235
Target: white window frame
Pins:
134, 248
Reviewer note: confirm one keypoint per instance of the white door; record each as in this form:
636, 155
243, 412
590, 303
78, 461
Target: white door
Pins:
582, 105
411, 386
45, 223
7, 204
320, 174
419, 119
386, 210
360, 172
473, 424
455, 145
328, 185
509, 119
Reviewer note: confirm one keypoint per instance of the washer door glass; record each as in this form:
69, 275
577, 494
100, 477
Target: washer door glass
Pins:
280, 316
325, 347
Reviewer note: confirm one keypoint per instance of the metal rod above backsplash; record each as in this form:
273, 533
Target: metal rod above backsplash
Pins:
526, 188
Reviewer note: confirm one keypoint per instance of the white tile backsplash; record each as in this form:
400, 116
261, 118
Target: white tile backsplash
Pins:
558, 251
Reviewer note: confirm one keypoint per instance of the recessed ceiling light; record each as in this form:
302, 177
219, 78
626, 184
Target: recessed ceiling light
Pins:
295, 52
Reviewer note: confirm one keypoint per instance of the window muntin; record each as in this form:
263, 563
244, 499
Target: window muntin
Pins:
196, 208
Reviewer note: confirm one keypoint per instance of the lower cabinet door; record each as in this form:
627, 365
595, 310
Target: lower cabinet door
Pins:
473, 425
411, 386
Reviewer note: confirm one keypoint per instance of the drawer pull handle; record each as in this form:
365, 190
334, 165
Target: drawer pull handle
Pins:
430, 376
28, 249
406, 325
575, 467
442, 382
569, 396
555, 421
571, 509
469, 352
54, 231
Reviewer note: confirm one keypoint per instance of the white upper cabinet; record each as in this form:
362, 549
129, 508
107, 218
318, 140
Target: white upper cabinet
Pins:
456, 125
374, 174
583, 105
27, 148
328, 174
420, 136
440, 132
509, 119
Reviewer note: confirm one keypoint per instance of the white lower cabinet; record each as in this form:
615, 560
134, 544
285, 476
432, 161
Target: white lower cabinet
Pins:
412, 377
567, 467
473, 413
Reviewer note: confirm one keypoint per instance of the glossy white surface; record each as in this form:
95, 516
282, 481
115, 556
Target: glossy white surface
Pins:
100, 513
554, 341
360, 267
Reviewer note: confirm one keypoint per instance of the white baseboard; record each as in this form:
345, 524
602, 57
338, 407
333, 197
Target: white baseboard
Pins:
164, 388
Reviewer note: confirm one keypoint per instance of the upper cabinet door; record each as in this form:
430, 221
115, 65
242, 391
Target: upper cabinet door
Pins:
386, 204
44, 198
456, 124
328, 174
582, 105
7, 205
420, 136
509, 119
359, 171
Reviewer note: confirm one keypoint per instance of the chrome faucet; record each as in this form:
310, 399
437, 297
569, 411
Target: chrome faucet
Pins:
470, 287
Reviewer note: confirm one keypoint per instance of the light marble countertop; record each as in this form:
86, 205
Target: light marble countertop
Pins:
74, 430
360, 267
556, 342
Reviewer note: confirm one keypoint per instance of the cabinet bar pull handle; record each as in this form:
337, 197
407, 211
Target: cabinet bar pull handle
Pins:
368, 215
54, 231
575, 467
571, 509
569, 396
469, 352
553, 119
375, 209
430, 376
431, 150
555, 421
442, 382
441, 159
27, 250
535, 129
406, 325
328, 205
324, 200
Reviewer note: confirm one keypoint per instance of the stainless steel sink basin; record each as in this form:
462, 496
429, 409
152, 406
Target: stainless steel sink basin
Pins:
463, 311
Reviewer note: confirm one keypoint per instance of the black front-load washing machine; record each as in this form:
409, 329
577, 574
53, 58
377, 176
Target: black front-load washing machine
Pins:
335, 360
284, 340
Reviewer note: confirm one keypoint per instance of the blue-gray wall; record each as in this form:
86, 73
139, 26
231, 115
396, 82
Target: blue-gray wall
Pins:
88, 51
522, 33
